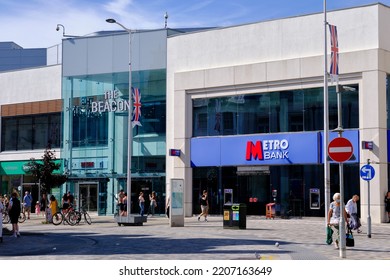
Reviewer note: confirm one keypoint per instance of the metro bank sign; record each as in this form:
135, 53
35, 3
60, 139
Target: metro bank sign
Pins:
262, 149
267, 150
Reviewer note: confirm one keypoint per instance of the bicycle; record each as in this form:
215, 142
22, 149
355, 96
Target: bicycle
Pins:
65, 215
83, 213
6, 218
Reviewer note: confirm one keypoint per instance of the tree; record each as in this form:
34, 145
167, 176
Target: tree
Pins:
43, 171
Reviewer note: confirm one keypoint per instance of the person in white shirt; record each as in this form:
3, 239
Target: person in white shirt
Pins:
351, 209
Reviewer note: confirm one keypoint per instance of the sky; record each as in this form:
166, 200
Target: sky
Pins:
32, 23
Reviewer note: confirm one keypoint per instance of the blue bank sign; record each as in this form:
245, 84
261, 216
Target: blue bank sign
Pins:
278, 149
263, 149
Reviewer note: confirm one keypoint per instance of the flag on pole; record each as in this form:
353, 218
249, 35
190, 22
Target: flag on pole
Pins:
135, 120
334, 64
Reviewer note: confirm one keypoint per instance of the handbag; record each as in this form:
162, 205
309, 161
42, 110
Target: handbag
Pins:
329, 233
350, 242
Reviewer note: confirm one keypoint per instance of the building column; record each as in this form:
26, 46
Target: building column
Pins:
373, 127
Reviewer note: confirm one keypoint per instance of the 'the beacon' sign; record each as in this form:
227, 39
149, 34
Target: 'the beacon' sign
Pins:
111, 103
267, 150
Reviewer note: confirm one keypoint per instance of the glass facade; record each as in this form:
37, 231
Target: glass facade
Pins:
96, 119
275, 112
31, 132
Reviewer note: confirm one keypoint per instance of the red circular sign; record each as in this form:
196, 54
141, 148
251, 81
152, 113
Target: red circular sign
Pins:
340, 149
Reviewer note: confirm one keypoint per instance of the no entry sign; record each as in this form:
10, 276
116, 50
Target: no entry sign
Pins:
340, 149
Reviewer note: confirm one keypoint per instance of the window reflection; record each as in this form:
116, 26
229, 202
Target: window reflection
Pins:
273, 112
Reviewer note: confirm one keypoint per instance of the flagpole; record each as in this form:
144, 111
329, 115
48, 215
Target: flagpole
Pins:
326, 124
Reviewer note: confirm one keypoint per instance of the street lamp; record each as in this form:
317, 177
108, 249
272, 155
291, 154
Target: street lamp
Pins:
130, 128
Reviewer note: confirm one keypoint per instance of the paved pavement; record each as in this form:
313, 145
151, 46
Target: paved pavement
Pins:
299, 239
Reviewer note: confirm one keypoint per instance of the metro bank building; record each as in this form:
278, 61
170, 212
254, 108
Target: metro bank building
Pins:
246, 106
242, 104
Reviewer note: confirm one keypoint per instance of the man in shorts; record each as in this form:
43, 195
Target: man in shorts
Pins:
27, 200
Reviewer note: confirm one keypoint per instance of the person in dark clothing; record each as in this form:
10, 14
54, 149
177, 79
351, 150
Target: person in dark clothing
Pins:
387, 205
204, 206
14, 209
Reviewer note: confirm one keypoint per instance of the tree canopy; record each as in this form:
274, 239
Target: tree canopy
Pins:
43, 171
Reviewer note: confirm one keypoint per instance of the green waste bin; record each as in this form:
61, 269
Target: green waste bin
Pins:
234, 216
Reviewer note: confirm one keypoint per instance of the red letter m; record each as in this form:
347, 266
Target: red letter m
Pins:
254, 150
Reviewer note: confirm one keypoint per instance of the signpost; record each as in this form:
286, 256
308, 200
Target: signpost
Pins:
367, 173
340, 149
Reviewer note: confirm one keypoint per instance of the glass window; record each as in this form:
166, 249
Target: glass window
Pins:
9, 134
285, 111
25, 134
41, 132
31, 132
314, 109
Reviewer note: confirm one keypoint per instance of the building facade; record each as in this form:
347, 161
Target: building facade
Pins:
31, 109
247, 112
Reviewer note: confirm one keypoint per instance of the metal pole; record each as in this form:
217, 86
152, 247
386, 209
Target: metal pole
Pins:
339, 129
129, 133
343, 249
368, 205
326, 125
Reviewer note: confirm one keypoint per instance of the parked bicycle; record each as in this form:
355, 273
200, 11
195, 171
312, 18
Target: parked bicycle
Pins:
65, 215
6, 218
82, 213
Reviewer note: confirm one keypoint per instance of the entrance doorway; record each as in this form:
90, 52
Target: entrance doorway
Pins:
88, 196
254, 191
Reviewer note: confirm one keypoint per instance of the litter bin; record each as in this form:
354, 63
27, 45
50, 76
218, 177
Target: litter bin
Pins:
234, 216
270, 211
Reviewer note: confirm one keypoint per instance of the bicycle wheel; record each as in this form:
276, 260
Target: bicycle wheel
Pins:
57, 218
22, 217
72, 218
87, 218
5, 218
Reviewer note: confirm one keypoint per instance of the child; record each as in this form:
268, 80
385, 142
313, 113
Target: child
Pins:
37, 208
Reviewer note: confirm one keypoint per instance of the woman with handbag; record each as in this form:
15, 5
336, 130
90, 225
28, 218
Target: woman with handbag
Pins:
334, 215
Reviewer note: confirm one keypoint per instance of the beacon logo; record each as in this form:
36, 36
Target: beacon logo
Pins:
267, 150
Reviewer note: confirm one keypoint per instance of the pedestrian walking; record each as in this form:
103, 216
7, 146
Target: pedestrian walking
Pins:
141, 203
204, 206
44, 203
37, 208
167, 206
53, 206
14, 209
351, 209
27, 200
152, 203
387, 205
334, 215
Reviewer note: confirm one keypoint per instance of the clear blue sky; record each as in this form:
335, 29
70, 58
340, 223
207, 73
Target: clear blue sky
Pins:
32, 23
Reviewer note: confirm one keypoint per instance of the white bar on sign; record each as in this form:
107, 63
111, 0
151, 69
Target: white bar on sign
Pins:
340, 149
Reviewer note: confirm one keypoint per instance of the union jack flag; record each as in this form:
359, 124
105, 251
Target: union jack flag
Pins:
334, 64
135, 120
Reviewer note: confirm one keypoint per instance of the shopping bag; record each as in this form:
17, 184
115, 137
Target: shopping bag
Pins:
354, 222
329, 233
350, 242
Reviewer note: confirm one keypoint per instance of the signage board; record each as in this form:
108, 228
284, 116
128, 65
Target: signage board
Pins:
340, 149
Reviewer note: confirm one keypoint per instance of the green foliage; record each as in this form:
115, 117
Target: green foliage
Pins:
43, 171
